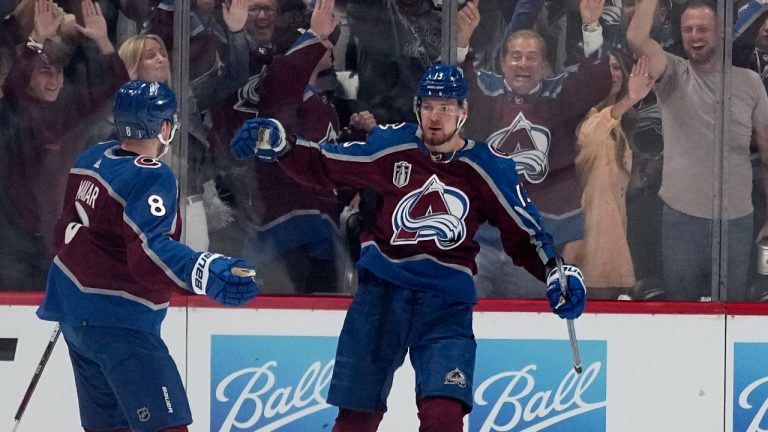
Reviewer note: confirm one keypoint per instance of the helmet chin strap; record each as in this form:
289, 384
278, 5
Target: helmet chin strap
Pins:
460, 123
166, 143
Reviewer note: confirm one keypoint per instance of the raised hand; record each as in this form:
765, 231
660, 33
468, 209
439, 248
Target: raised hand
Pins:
323, 20
590, 11
235, 14
94, 25
46, 20
640, 80
363, 120
468, 19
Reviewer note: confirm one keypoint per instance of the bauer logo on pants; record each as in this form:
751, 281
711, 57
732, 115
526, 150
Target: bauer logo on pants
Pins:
530, 385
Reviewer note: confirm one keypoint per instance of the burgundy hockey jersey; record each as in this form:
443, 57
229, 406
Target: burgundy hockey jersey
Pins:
538, 129
284, 94
428, 212
117, 260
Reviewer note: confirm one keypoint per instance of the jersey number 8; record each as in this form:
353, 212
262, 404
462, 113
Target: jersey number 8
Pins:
156, 205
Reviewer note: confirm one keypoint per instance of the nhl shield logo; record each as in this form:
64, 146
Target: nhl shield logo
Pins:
143, 414
402, 174
456, 377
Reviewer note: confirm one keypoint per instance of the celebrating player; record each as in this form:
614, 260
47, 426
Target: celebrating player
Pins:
118, 261
416, 291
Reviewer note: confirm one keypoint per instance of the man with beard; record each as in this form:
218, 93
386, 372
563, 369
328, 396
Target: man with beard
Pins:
686, 92
415, 288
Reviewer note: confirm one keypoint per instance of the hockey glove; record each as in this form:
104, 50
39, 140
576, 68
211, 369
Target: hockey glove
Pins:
212, 275
262, 137
568, 304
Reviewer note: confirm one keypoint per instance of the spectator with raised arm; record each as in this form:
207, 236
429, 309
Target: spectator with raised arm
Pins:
42, 118
250, 50
293, 229
604, 161
689, 153
396, 41
533, 119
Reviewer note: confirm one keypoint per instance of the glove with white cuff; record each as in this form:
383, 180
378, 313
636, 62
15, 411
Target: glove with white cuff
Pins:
261, 137
228, 281
568, 303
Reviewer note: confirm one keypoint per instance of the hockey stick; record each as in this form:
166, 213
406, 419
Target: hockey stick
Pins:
36, 377
571, 328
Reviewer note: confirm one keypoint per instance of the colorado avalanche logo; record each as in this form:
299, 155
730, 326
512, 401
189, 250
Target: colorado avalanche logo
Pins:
527, 143
330, 135
456, 377
147, 162
434, 212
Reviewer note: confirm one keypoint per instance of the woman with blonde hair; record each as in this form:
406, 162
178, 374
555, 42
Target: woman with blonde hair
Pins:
146, 57
604, 160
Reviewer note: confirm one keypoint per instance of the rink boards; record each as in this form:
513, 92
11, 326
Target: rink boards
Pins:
647, 367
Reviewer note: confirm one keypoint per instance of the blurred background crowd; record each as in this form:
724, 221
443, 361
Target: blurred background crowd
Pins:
643, 183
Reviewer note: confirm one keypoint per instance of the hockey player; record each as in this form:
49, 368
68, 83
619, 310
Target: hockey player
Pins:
416, 291
118, 260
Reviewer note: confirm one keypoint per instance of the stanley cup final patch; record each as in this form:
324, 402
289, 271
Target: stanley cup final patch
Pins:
456, 377
402, 174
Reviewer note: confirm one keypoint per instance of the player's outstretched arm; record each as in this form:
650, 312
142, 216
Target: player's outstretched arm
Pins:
229, 281
568, 303
261, 137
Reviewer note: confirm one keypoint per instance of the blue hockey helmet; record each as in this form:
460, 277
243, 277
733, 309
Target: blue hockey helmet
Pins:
141, 107
443, 81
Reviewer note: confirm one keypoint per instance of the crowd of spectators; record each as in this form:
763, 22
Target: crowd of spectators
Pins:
607, 107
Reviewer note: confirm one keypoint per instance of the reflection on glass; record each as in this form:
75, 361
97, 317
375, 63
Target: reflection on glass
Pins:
535, 71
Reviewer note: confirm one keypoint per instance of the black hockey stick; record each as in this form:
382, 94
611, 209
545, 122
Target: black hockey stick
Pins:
571, 328
36, 377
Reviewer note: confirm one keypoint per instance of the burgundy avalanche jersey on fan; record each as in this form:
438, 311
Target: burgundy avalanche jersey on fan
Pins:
116, 259
428, 212
285, 96
538, 129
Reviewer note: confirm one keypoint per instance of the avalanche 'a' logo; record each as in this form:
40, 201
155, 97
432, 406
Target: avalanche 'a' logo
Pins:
434, 212
527, 143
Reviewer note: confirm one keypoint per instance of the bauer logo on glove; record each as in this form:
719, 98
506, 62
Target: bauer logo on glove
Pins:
228, 281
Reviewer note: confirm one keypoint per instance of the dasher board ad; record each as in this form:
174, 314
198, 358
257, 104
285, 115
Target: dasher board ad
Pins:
270, 383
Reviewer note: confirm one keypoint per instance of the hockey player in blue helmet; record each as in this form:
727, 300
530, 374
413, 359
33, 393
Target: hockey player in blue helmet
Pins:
142, 108
118, 262
416, 291
441, 100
